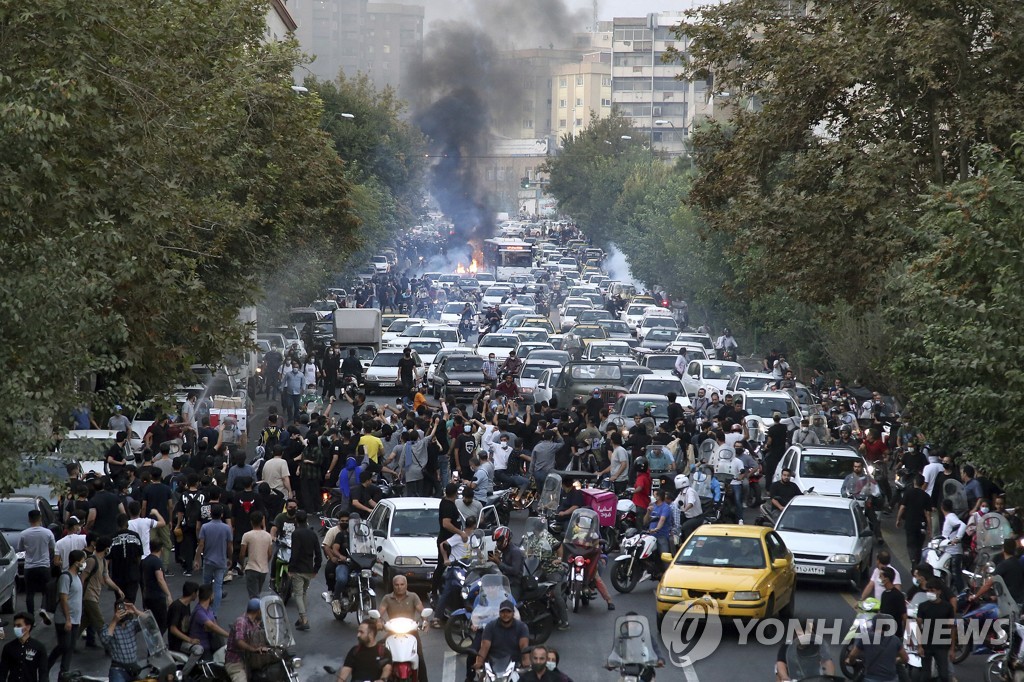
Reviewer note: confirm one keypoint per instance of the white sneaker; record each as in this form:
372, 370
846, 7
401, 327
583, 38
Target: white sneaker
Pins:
741, 522
326, 596
45, 616
228, 577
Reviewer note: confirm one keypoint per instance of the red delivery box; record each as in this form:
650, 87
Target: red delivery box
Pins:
603, 502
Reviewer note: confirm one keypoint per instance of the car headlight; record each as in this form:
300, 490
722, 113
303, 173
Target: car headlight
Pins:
452, 382
753, 595
296, 662
670, 591
408, 561
842, 559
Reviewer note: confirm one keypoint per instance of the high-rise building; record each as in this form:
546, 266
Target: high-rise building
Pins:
381, 40
646, 90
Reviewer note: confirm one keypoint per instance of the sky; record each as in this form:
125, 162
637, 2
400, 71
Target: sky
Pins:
607, 9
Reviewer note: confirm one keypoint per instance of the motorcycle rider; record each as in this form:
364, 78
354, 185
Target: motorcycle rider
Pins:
647, 674
351, 367
336, 550
367, 660
508, 557
688, 511
858, 484
539, 670
502, 638
401, 603
805, 656
879, 649
781, 492
538, 542
726, 343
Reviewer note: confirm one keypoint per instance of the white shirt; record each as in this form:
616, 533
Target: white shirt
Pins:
732, 438
142, 526
953, 529
275, 472
500, 452
931, 474
689, 496
66, 545
876, 580
737, 470
458, 549
681, 363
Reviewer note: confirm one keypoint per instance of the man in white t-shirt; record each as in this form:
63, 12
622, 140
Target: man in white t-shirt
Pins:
73, 539
931, 473
734, 436
143, 525
739, 470
452, 550
875, 584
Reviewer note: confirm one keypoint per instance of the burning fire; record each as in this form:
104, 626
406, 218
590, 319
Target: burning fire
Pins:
461, 269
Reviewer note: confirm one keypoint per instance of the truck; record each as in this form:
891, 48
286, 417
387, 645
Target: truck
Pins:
358, 327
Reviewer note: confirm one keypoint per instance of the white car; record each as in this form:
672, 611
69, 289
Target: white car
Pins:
530, 375
494, 294
383, 372
544, 389
380, 264
649, 322
449, 336
89, 447
830, 538
694, 351
711, 375
576, 300
633, 314
608, 350
486, 279
399, 326
568, 264
499, 344
702, 339
822, 467
532, 334
405, 532
452, 312
426, 348
661, 365
764, 404
408, 334
662, 385
569, 315
750, 381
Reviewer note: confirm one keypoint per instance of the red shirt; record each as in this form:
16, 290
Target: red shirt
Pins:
874, 450
642, 490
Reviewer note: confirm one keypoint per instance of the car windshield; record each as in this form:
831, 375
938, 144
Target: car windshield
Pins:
660, 321
386, 360
533, 371
400, 325
661, 335
749, 383
629, 406
456, 308
534, 335
651, 385
594, 315
14, 514
414, 523
719, 371
494, 341
85, 449
825, 466
574, 310
661, 361
445, 334
766, 407
631, 372
610, 350
467, 364
590, 333
468, 282
636, 310
696, 338
585, 373
722, 552
426, 347
817, 520
413, 330
498, 290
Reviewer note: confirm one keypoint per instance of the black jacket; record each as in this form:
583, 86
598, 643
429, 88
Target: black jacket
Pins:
24, 662
306, 553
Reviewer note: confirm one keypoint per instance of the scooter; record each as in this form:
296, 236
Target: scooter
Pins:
403, 645
936, 556
866, 612
639, 561
284, 665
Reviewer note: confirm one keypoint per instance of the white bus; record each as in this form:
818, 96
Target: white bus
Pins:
505, 257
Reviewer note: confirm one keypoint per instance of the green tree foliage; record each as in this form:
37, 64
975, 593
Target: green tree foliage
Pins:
843, 114
591, 171
959, 308
156, 164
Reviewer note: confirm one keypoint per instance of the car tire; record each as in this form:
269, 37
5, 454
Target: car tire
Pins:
10, 605
789, 610
386, 578
770, 609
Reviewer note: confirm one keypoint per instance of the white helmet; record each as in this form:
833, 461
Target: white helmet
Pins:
682, 482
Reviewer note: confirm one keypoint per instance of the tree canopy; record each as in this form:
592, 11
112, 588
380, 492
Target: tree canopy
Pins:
156, 165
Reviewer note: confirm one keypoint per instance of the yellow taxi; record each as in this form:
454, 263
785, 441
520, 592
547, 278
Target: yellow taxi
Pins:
539, 321
587, 333
642, 299
746, 570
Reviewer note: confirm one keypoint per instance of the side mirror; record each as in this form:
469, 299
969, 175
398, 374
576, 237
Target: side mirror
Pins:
866, 533
666, 557
427, 614
779, 564
374, 613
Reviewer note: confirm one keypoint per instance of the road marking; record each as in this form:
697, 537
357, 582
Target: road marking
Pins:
690, 673
450, 664
849, 599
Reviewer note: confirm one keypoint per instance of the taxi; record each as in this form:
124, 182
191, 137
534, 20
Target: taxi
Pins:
746, 570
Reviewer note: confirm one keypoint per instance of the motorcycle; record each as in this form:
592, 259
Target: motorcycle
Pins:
640, 560
535, 606
358, 596
280, 580
403, 645
632, 654
866, 612
992, 529
582, 545
936, 556
987, 613
1008, 664
281, 665
500, 670
486, 597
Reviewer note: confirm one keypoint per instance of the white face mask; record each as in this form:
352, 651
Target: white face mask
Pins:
81, 566
550, 665
19, 632
984, 510
916, 584
931, 596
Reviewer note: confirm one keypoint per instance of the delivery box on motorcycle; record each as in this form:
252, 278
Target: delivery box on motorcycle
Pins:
603, 502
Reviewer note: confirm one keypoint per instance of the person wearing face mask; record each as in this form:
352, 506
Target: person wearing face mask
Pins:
803, 657
935, 623
24, 659
552, 665
879, 649
804, 435
490, 370
291, 390
539, 671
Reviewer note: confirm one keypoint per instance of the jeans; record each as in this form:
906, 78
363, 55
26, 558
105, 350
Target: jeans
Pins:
300, 585
664, 545
341, 575
292, 405
503, 477
254, 582
442, 467
35, 582
737, 496
215, 575
64, 648
956, 564
119, 674
450, 588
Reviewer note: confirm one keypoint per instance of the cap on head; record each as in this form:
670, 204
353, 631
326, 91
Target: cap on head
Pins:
254, 605
507, 606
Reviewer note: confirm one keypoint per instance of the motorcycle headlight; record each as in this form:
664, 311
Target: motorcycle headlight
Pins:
753, 595
366, 573
408, 561
465, 593
842, 559
296, 662
452, 382
670, 591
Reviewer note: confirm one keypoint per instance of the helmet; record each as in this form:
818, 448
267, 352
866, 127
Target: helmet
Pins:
682, 482
502, 536
845, 428
640, 463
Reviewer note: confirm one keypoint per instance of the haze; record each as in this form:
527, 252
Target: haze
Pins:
607, 9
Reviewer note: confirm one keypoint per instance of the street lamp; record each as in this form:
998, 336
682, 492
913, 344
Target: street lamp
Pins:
299, 90
348, 116
626, 137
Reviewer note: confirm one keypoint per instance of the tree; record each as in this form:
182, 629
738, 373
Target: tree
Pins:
156, 166
843, 113
590, 172
959, 309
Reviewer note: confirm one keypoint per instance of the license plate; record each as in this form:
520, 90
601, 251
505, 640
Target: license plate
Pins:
809, 570
387, 384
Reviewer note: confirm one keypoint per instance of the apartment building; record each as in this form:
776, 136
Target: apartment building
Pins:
580, 93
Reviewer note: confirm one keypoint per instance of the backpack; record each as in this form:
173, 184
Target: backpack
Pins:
193, 503
53, 592
270, 437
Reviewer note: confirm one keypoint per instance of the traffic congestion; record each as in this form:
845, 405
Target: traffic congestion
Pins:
464, 467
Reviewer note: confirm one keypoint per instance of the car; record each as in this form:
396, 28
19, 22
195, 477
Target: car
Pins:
764, 404
509, 310
405, 532
749, 381
291, 337
276, 341
8, 576
364, 353
13, 520
425, 348
529, 376
526, 348
44, 476
485, 279
633, 314
579, 337
607, 350
710, 375
89, 447
694, 351
830, 538
702, 339
657, 338
559, 356
821, 467
544, 389
804, 398
630, 371
448, 336
617, 330
536, 321
595, 315
627, 406
494, 294
557, 341
451, 313
747, 570
366, 273
387, 319
383, 371
662, 385
579, 379
468, 285
398, 327
656, 321
497, 343
576, 300
456, 373
568, 264
532, 334
448, 281
403, 338
661, 364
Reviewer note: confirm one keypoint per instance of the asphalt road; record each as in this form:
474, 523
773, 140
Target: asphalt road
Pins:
583, 648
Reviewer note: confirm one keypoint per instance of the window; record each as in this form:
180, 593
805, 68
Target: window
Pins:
387, 49
528, 123
606, 81
606, 102
561, 104
579, 101
579, 80
561, 123
563, 82
579, 122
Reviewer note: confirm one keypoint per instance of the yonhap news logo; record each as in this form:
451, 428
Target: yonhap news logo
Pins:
691, 631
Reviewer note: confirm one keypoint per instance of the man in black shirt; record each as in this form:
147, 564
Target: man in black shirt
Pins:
935, 620
504, 638
406, 371
364, 497
24, 659
179, 618
593, 406
775, 444
448, 520
125, 558
675, 410
892, 601
783, 490
367, 660
305, 563
1010, 570
915, 511
572, 499
104, 508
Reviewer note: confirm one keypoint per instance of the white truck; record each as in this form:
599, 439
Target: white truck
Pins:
358, 327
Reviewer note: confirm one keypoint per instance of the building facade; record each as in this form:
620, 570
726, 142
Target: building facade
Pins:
280, 22
580, 93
